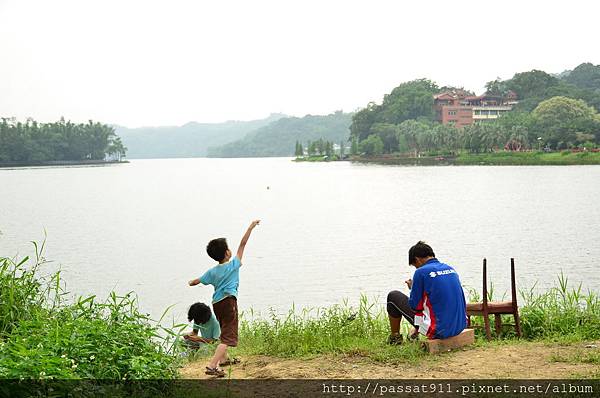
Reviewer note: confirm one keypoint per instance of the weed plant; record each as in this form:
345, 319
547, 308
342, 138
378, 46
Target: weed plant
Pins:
42, 336
561, 312
339, 329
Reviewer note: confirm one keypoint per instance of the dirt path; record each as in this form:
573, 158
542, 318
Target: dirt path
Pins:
521, 360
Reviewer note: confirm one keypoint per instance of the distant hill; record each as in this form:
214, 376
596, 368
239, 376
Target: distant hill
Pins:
586, 76
190, 140
279, 137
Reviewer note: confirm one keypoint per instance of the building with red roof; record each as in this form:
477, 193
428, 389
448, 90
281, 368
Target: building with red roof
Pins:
460, 108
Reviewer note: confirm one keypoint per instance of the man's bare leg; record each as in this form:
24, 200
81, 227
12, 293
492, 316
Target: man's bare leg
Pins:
394, 325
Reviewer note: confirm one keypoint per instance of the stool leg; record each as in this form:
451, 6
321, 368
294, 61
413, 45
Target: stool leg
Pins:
486, 322
498, 324
517, 322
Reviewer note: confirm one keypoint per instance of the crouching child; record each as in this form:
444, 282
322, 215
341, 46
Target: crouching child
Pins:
205, 322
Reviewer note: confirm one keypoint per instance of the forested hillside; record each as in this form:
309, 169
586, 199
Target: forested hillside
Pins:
279, 138
190, 140
553, 111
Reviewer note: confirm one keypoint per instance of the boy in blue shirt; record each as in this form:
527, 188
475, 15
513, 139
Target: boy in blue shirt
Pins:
205, 323
436, 306
225, 277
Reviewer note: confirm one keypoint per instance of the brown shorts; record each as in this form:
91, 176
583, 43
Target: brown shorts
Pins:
226, 312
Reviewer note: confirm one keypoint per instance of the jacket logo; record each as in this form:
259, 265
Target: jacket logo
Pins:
433, 274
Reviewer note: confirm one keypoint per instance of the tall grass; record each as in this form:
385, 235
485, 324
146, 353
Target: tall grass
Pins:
44, 336
22, 293
559, 312
339, 329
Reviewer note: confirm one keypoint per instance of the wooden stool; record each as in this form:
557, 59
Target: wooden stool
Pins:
486, 308
465, 337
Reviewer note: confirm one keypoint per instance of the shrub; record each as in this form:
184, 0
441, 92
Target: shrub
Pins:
42, 336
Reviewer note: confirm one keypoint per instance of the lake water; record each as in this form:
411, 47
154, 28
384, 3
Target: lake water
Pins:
329, 231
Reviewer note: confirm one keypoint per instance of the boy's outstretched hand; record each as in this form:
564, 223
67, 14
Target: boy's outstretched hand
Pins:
240, 251
254, 224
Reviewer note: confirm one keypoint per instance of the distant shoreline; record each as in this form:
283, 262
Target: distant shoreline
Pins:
13, 165
565, 158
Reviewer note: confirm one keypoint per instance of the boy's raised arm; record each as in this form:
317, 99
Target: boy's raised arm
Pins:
240, 251
194, 282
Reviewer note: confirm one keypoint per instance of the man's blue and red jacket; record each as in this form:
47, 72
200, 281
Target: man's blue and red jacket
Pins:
438, 300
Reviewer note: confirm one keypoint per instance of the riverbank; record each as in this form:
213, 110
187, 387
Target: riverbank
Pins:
564, 158
496, 360
561, 338
15, 165
43, 336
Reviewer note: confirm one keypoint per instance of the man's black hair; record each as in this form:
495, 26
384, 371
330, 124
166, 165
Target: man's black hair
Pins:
200, 313
422, 250
216, 249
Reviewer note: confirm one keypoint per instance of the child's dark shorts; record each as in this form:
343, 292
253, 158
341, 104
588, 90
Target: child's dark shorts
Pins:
226, 312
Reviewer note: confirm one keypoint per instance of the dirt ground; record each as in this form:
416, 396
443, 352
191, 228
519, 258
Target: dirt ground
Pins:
522, 360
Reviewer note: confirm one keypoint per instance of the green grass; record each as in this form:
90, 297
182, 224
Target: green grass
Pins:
561, 312
529, 158
340, 329
590, 356
42, 336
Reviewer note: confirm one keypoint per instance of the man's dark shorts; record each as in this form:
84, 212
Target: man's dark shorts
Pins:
226, 312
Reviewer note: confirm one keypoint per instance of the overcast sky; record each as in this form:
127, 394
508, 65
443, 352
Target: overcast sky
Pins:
146, 62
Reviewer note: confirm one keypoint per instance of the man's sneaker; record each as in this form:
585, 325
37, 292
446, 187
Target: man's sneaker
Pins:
395, 339
414, 334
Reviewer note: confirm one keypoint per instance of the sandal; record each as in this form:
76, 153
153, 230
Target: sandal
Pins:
229, 362
214, 372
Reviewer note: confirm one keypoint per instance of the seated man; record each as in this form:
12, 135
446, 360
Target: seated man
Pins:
436, 307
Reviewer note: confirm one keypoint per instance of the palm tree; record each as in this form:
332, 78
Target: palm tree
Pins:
518, 139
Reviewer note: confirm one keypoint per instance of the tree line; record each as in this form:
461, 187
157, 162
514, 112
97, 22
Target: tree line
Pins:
320, 147
552, 112
32, 142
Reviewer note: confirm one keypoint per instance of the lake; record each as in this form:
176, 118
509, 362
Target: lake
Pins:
329, 231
